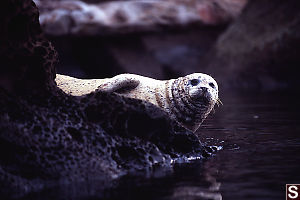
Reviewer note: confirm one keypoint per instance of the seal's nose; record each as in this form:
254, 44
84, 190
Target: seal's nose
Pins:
204, 89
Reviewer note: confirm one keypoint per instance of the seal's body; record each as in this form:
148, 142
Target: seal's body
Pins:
187, 99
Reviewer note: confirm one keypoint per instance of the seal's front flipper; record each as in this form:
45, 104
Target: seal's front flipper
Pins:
121, 84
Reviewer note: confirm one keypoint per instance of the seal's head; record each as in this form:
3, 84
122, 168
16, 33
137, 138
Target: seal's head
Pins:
202, 88
195, 96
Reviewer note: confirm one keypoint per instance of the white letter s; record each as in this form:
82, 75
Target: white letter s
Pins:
293, 189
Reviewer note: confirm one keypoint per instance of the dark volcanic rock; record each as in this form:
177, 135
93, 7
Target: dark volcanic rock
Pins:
26, 57
48, 137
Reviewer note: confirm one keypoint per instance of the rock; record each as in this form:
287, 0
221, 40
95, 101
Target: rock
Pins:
93, 18
27, 58
48, 138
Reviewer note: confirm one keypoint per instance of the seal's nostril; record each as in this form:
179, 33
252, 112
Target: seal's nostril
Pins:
212, 85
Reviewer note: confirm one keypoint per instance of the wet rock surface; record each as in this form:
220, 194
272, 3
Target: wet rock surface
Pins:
48, 137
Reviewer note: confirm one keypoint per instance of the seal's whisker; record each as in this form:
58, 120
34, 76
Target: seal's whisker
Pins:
219, 102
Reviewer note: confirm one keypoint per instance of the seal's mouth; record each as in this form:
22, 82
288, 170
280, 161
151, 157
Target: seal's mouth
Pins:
202, 97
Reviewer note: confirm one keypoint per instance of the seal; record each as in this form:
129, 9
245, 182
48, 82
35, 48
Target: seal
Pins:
187, 99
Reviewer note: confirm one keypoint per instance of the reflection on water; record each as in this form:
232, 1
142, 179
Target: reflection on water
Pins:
194, 192
260, 136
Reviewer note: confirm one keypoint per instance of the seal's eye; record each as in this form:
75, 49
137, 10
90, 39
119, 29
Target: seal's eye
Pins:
194, 82
212, 85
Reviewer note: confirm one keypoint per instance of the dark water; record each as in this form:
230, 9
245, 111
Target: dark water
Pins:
260, 136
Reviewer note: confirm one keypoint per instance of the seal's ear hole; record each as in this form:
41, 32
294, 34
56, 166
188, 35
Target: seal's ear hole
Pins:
194, 82
212, 85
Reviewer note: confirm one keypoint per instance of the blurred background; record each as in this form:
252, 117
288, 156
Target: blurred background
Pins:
244, 45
